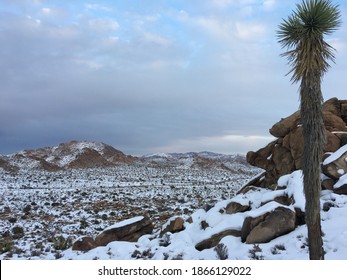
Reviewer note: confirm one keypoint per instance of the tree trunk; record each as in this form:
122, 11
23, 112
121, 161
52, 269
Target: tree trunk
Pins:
314, 140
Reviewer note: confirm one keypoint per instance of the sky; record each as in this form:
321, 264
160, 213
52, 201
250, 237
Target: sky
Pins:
149, 76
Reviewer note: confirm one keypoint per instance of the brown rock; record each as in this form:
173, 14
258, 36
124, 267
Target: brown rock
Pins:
249, 223
127, 232
284, 126
341, 190
269, 226
175, 225
328, 184
336, 168
84, 244
261, 157
214, 239
284, 200
283, 160
344, 111
296, 142
333, 142
235, 207
333, 122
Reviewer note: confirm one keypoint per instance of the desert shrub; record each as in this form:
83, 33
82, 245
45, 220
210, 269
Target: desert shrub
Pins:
27, 209
62, 243
277, 248
6, 244
17, 232
83, 223
222, 251
145, 255
12, 220
255, 253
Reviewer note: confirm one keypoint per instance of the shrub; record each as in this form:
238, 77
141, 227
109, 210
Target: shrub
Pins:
254, 253
17, 232
6, 244
12, 220
62, 243
222, 251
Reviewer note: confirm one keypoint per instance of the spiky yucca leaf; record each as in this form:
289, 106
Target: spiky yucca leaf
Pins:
303, 35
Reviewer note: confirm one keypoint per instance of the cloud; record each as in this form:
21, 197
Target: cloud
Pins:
185, 77
103, 25
221, 144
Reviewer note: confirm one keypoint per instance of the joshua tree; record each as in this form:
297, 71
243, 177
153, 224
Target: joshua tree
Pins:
302, 34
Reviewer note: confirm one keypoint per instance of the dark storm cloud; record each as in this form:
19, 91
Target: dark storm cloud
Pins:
166, 79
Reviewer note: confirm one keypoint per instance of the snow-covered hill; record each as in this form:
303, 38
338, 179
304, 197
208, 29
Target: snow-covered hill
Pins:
86, 154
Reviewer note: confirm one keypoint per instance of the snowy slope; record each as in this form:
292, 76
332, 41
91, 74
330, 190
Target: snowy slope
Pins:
290, 246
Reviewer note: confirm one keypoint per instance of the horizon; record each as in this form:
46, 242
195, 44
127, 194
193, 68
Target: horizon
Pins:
139, 155
168, 76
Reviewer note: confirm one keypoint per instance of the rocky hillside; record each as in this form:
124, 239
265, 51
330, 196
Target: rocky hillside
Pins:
75, 155
67, 155
284, 155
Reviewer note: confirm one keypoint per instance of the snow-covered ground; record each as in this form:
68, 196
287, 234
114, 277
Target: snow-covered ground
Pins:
181, 245
42, 213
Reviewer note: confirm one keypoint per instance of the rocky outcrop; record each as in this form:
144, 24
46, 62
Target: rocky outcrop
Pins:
129, 230
284, 155
268, 226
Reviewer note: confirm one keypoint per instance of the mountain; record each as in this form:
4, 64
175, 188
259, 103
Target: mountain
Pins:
73, 154
84, 154
204, 160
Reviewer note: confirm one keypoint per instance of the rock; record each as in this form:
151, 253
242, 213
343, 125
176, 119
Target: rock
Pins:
333, 122
284, 200
84, 244
336, 168
300, 217
235, 207
175, 225
284, 155
341, 190
284, 126
333, 142
283, 160
328, 184
214, 239
296, 142
266, 227
261, 157
249, 223
129, 230
256, 181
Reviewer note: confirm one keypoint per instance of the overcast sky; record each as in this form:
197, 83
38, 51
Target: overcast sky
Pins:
149, 76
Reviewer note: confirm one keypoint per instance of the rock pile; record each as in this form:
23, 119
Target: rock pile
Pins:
128, 230
284, 155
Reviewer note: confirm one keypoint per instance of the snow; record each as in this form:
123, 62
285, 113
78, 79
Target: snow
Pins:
336, 155
342, 181
179, 245
290, 246
124, 223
